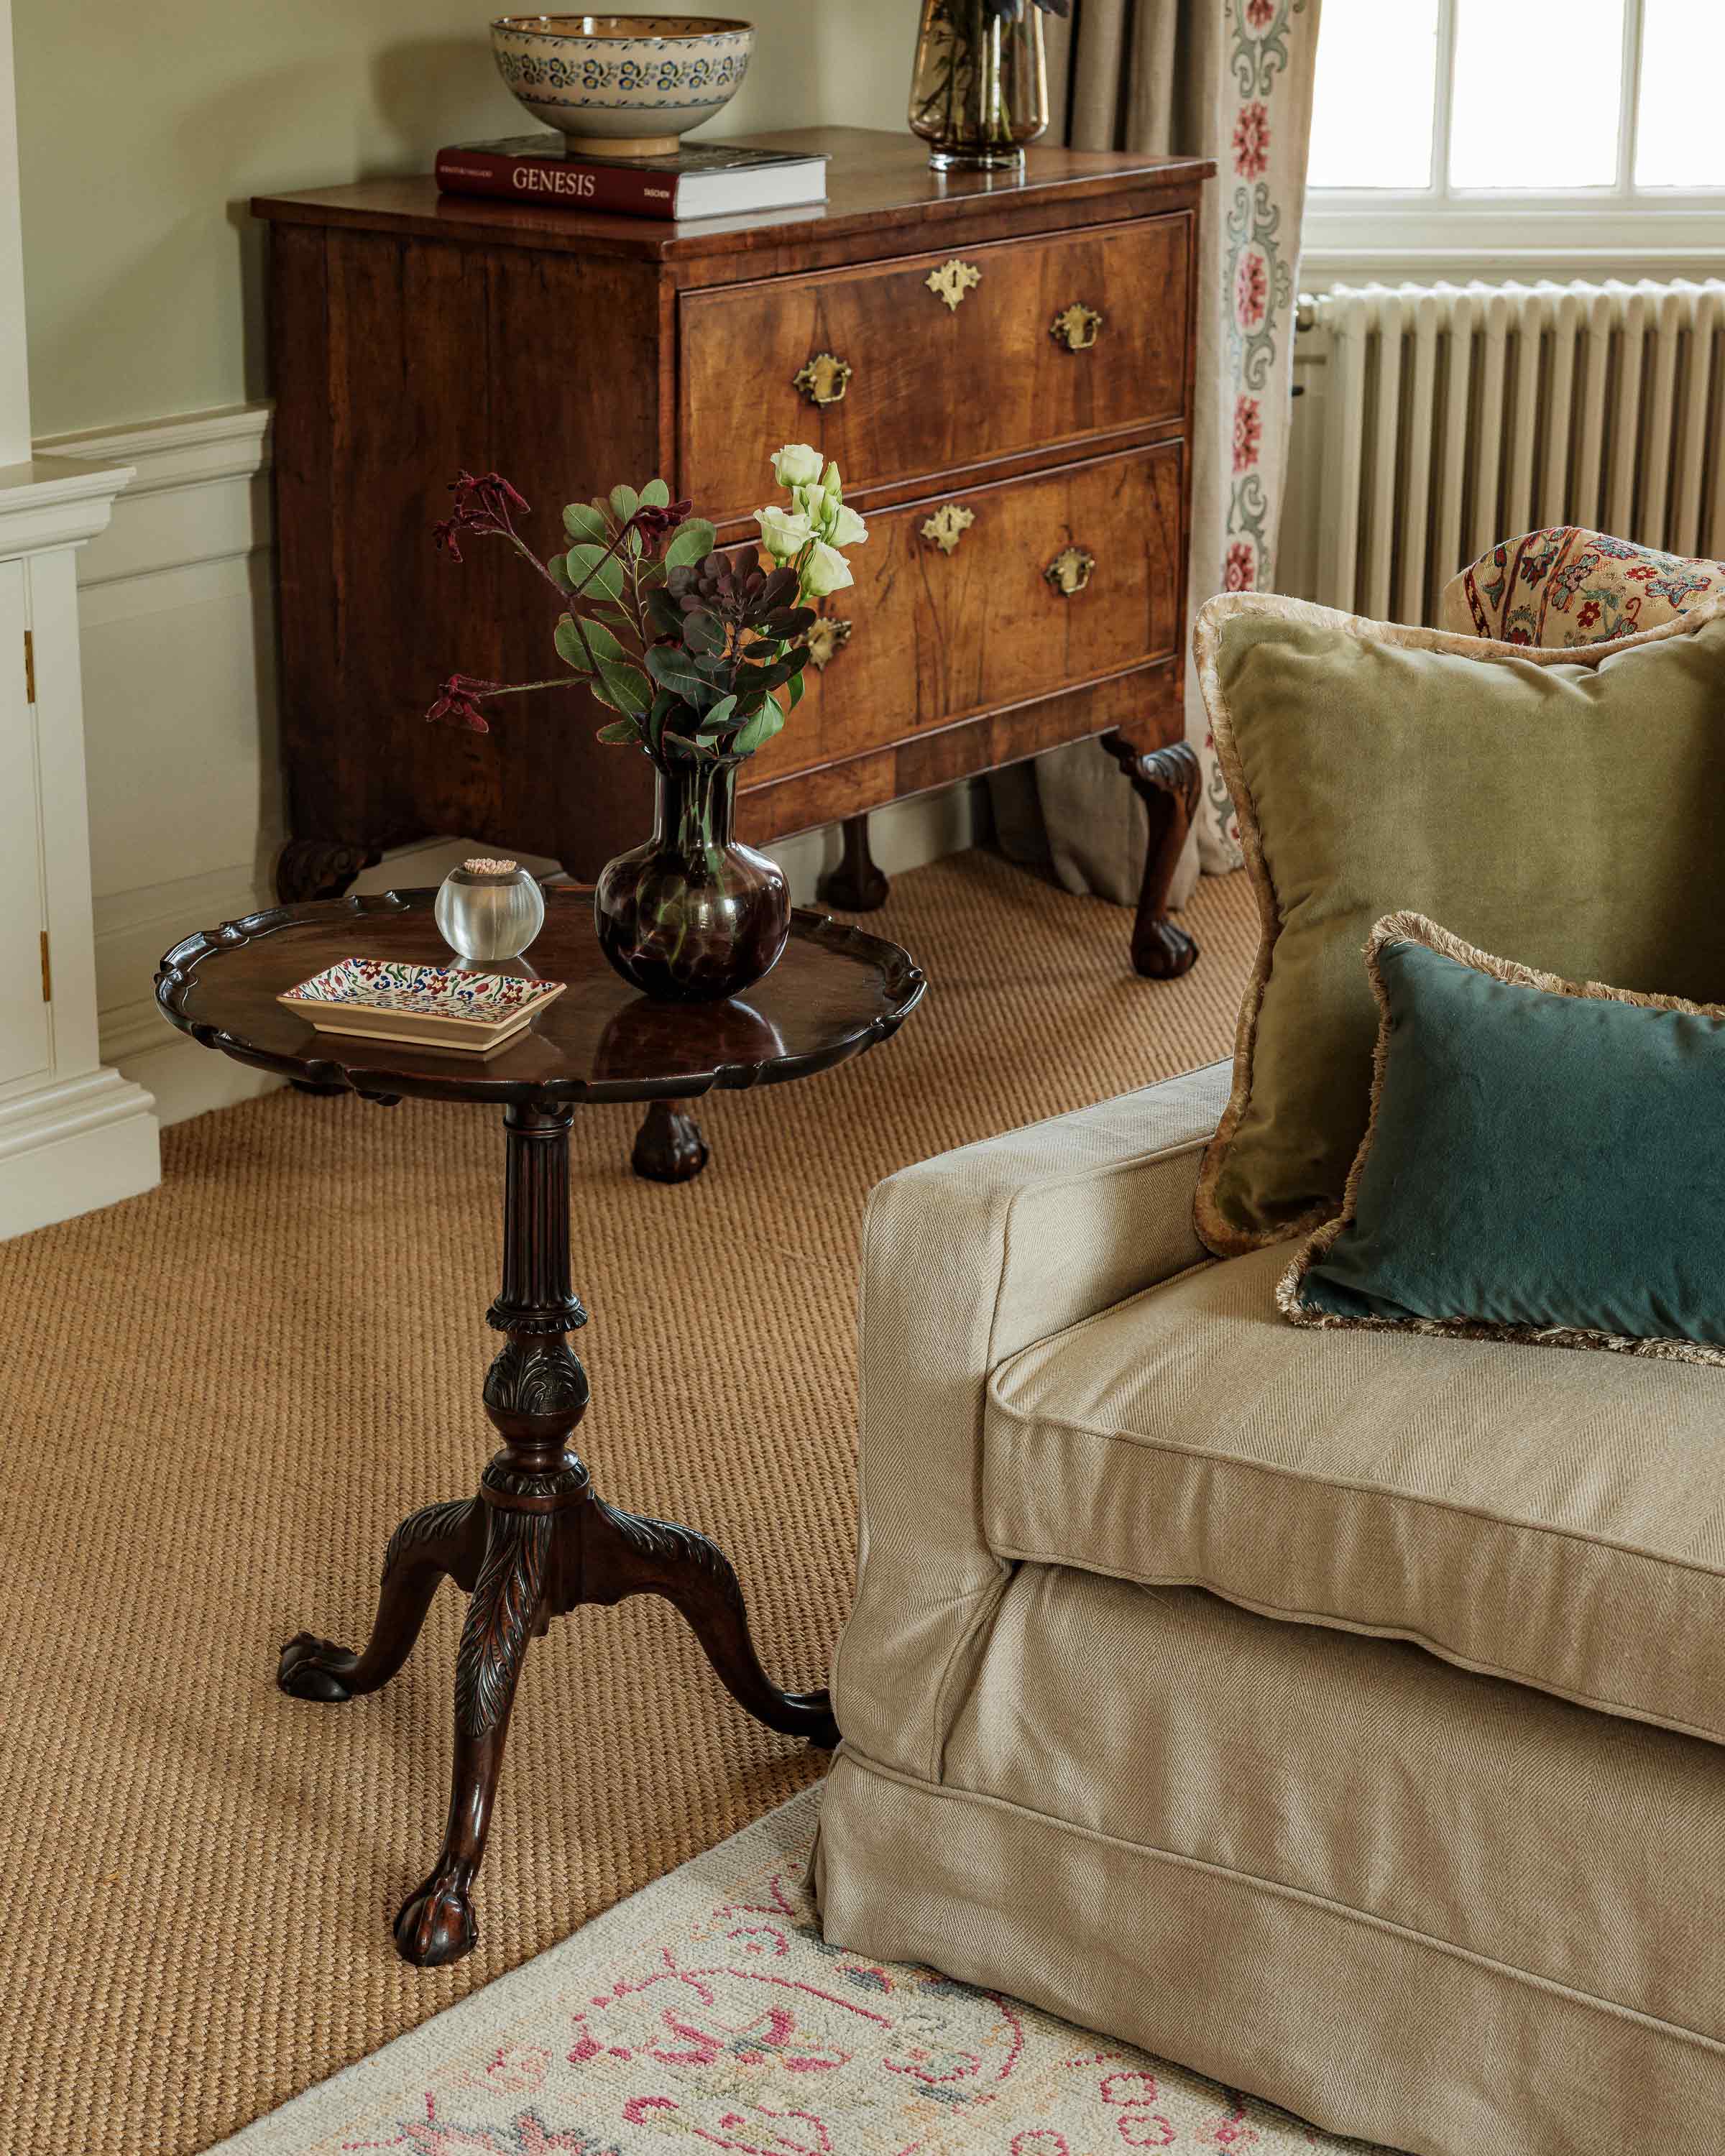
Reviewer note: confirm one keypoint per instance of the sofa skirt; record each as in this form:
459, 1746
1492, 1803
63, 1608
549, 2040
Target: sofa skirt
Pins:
1410, 1904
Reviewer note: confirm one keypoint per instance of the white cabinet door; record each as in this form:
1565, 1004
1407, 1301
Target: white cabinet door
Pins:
25, 1039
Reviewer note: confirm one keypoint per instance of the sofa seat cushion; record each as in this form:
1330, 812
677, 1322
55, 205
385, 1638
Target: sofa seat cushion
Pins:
1554, 1518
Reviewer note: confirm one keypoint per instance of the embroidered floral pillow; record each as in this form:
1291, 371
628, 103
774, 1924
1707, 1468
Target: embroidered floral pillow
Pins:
1567, 586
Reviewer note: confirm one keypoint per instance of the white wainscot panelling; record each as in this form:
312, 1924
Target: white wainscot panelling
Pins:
73, 1135
177, 617
176, 622
25, 1044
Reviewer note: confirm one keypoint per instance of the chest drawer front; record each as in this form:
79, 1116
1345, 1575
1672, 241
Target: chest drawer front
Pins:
1020, 346
1050, 581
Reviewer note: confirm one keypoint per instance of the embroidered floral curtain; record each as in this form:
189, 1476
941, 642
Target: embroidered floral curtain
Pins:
1230, 80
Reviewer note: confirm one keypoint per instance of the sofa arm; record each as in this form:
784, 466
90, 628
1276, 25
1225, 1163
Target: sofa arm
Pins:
967, 1258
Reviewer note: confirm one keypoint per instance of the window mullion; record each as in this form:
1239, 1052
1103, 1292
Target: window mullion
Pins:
1441, 103
1629, 120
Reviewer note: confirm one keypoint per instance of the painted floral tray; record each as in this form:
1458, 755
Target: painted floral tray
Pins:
437, 1006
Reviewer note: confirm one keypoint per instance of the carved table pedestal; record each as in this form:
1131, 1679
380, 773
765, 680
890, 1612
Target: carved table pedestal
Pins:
537, 1540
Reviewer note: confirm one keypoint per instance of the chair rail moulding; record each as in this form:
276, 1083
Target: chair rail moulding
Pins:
73, 1134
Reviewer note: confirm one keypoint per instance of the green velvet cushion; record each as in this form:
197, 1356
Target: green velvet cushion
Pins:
1543, 1162
1568, 807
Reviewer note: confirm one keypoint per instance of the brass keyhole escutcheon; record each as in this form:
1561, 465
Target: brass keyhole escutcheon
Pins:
952, 280
948, 525
826, 379
826, 640
1071, 571
1075, 327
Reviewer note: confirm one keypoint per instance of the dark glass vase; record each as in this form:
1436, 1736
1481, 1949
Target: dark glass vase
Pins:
692, 917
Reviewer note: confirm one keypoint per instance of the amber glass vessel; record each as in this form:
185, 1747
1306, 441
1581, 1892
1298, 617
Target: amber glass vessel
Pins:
692, 917
980, 88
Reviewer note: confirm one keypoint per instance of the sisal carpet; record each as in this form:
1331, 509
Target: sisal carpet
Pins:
216, 1400
706, 2011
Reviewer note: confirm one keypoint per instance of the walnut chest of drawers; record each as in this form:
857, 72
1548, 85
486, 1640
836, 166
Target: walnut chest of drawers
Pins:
1002, 367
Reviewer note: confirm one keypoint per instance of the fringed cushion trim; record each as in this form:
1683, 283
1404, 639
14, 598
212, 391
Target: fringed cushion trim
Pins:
1415, 928
1215, 1229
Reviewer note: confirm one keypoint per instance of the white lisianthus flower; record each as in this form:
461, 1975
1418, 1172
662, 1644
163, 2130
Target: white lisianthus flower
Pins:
825, 570
783, 534
832, 484
848, 530
797, 465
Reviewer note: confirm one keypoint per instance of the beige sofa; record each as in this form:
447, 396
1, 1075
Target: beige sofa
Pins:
1270, 1836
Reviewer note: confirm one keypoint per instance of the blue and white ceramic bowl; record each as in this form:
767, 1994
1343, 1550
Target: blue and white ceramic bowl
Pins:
622, 85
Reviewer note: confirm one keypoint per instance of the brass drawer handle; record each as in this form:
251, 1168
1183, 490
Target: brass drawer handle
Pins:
1075, 327
826, 640
952, 280
1069, 570
947, 526
825, 379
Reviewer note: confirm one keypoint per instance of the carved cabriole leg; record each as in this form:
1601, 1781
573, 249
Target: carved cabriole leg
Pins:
536, 1393
669, 1145
441, 1540
625, 1554
856, 885
319, 868
1168, 782
436, 1923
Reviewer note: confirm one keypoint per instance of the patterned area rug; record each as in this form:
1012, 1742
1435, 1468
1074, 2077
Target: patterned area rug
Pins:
707, 2012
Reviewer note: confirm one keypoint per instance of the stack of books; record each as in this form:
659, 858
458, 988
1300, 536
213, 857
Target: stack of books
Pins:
704, 179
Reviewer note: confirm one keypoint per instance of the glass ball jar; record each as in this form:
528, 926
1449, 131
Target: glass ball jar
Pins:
489, 910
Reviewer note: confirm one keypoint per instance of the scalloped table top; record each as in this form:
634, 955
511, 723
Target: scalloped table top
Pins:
835, 993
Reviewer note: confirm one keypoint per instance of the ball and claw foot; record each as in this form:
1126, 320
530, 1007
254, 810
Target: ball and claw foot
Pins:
311, 1668
669, 1147
436, 1925
1161, 951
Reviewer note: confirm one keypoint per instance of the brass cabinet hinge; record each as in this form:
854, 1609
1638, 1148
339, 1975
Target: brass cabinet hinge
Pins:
47, 972
29, 668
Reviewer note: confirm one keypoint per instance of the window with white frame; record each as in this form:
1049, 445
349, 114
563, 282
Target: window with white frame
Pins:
1516, 129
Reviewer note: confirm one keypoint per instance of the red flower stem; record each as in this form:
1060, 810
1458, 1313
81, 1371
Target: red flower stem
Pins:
527, 553
521, 688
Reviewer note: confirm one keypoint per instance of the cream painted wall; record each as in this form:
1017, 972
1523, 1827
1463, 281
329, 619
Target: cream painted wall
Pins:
14, 381
143, 131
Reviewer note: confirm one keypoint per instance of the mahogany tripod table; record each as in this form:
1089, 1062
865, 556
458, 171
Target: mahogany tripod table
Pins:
537, 1540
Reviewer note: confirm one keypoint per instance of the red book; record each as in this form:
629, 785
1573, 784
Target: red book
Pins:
707, 179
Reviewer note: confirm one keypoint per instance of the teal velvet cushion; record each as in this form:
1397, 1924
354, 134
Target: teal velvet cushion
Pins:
1545, 1161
